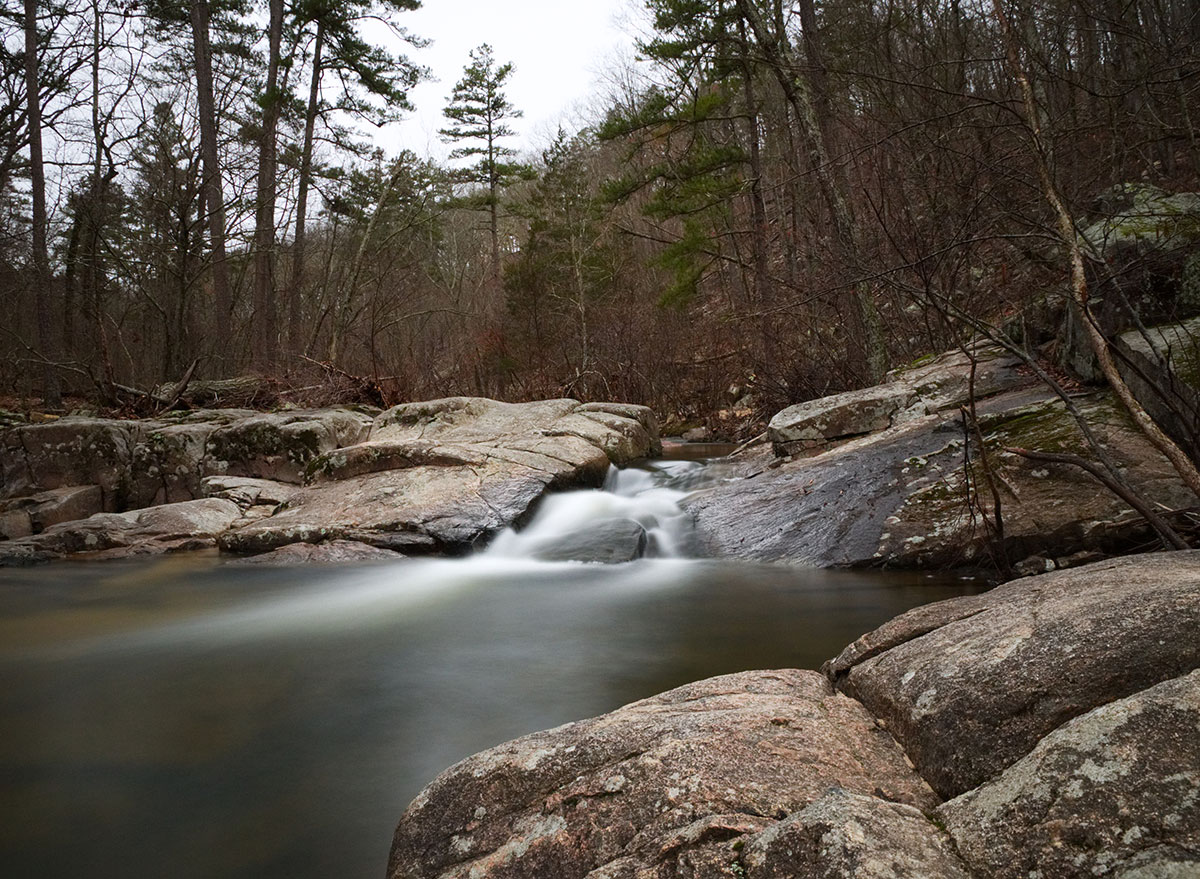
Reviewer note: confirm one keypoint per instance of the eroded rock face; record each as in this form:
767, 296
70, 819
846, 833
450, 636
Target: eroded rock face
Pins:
69, 451
971, 685
1115, 792
444, 475
280, 445
899, 497
672, 785
1146, 239
421, 477
183, 526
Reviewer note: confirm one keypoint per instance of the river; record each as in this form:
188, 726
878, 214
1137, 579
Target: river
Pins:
188, 717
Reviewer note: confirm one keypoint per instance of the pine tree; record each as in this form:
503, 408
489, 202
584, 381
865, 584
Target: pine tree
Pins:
477, 112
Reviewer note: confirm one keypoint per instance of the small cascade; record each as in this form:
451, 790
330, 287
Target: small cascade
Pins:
636, 513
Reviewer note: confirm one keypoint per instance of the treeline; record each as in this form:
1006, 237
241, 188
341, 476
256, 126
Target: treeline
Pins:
780, 201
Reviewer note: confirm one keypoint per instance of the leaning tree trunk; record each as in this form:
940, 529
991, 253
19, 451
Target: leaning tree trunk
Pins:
1183, 465
299, 244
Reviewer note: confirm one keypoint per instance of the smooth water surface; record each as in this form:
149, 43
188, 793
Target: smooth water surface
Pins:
186, 717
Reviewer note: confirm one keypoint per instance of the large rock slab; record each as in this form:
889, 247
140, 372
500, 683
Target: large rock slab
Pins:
970, 686
280, 445
672, 785
436, 477
171, 527
816, 423
939, 383
416, 510
446, 475
907, 496
1115, 792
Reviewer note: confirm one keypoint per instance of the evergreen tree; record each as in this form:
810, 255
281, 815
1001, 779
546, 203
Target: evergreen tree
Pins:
478, 111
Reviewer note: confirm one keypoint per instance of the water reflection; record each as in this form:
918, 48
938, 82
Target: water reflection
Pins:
185, 717
213, 721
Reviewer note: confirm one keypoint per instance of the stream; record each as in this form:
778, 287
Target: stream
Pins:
189, 717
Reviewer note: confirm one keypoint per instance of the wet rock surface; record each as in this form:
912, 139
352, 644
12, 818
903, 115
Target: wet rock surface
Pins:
672, 785
1115, 792
440, 476
611, 542
335, 552
902, 497
970, 685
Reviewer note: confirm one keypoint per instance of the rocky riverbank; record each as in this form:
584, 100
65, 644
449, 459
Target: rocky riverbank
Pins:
436, 477
888, 476
892, 476
1050, 727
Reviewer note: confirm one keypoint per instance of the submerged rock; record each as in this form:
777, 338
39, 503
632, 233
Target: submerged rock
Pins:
673, 785
970, 685
1115, 792
335, 552
610, 542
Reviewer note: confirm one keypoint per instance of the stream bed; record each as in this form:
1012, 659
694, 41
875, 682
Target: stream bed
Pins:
189, 717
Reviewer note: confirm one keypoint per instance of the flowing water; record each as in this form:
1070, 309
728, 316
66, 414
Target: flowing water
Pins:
186, 717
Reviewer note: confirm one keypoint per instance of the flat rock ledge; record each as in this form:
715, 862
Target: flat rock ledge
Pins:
1059, 714
432, 477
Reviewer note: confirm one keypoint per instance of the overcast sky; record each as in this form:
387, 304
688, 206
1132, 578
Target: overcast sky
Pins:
559, 50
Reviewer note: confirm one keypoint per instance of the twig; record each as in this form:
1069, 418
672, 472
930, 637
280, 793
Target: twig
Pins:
1165, 531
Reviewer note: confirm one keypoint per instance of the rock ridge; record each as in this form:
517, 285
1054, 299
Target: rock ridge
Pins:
440, 476
1076, 695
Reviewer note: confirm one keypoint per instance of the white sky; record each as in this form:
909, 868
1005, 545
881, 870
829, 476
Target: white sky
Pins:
559, 49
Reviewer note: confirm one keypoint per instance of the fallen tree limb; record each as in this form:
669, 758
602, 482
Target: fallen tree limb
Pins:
1165, 531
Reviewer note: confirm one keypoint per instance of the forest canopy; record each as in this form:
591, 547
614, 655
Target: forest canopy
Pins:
779, 201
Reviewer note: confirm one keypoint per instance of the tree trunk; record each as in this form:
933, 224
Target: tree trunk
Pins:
1183, 465
51, 392
493, 201
213, 196
296, 282
797, 92
266, 345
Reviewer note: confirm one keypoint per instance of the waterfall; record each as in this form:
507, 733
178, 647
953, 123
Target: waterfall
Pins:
637, 508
